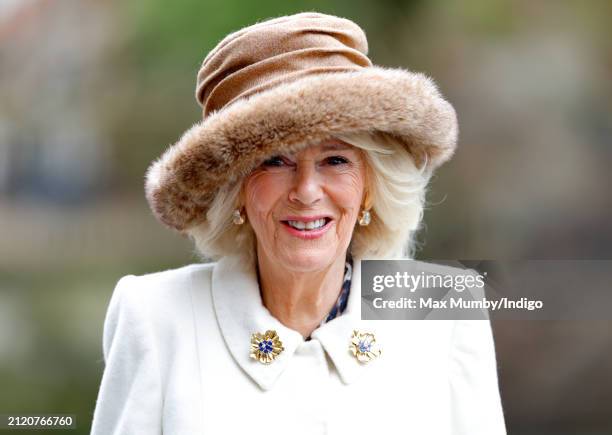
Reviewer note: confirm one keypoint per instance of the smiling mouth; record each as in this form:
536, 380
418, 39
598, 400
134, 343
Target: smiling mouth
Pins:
314, 225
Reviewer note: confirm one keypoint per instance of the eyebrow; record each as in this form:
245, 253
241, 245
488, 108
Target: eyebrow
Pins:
335, 146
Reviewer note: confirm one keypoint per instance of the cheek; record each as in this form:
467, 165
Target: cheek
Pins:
348, 195
261, 192
350, 189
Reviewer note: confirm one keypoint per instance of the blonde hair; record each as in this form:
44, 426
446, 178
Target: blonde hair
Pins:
396, 188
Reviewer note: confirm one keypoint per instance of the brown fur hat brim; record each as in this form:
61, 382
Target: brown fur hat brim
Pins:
227, 145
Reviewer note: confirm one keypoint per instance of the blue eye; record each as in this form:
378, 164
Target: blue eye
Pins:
274, 161
337, 160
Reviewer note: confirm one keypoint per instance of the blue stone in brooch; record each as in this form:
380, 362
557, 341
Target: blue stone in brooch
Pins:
265, 347
364, 347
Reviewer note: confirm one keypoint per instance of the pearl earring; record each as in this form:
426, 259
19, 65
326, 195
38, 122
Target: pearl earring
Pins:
237, 217
365, 218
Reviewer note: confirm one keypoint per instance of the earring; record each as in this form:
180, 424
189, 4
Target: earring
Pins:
237, 217
365, 218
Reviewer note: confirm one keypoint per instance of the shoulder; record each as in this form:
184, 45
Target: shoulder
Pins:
166, 279
157, 304
164, 285
160, 295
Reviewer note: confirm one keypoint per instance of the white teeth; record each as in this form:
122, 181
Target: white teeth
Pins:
312, 225
297, 224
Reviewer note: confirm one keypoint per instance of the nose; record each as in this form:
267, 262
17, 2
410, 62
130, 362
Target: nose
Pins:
306, 187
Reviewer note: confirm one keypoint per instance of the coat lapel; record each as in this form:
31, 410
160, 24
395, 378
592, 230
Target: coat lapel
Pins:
335, 336
240, 312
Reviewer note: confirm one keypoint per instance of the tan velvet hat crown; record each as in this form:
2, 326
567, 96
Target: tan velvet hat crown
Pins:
282, 85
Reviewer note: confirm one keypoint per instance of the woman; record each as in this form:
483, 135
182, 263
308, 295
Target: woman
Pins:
308, 159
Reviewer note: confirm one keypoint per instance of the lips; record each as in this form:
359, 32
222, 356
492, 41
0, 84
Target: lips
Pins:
308, 228
309, 223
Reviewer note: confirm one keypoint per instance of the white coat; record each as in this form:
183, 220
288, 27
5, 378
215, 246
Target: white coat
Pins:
176, 346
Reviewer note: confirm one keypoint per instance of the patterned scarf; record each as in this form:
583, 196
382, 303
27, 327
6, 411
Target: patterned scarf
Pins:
340, 304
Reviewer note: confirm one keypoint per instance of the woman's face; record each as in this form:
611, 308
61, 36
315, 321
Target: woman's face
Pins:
303, 207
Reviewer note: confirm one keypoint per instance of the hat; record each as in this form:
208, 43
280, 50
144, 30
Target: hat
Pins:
279, 86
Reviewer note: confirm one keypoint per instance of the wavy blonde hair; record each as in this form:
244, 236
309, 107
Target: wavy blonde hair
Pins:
396, 189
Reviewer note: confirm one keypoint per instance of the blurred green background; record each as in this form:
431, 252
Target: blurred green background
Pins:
92, 91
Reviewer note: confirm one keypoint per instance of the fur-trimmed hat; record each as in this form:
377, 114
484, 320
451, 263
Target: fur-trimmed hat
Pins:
284, 84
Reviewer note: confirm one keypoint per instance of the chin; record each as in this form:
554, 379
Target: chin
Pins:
308, 260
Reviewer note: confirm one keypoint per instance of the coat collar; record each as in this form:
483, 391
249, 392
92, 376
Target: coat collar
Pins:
240, 312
